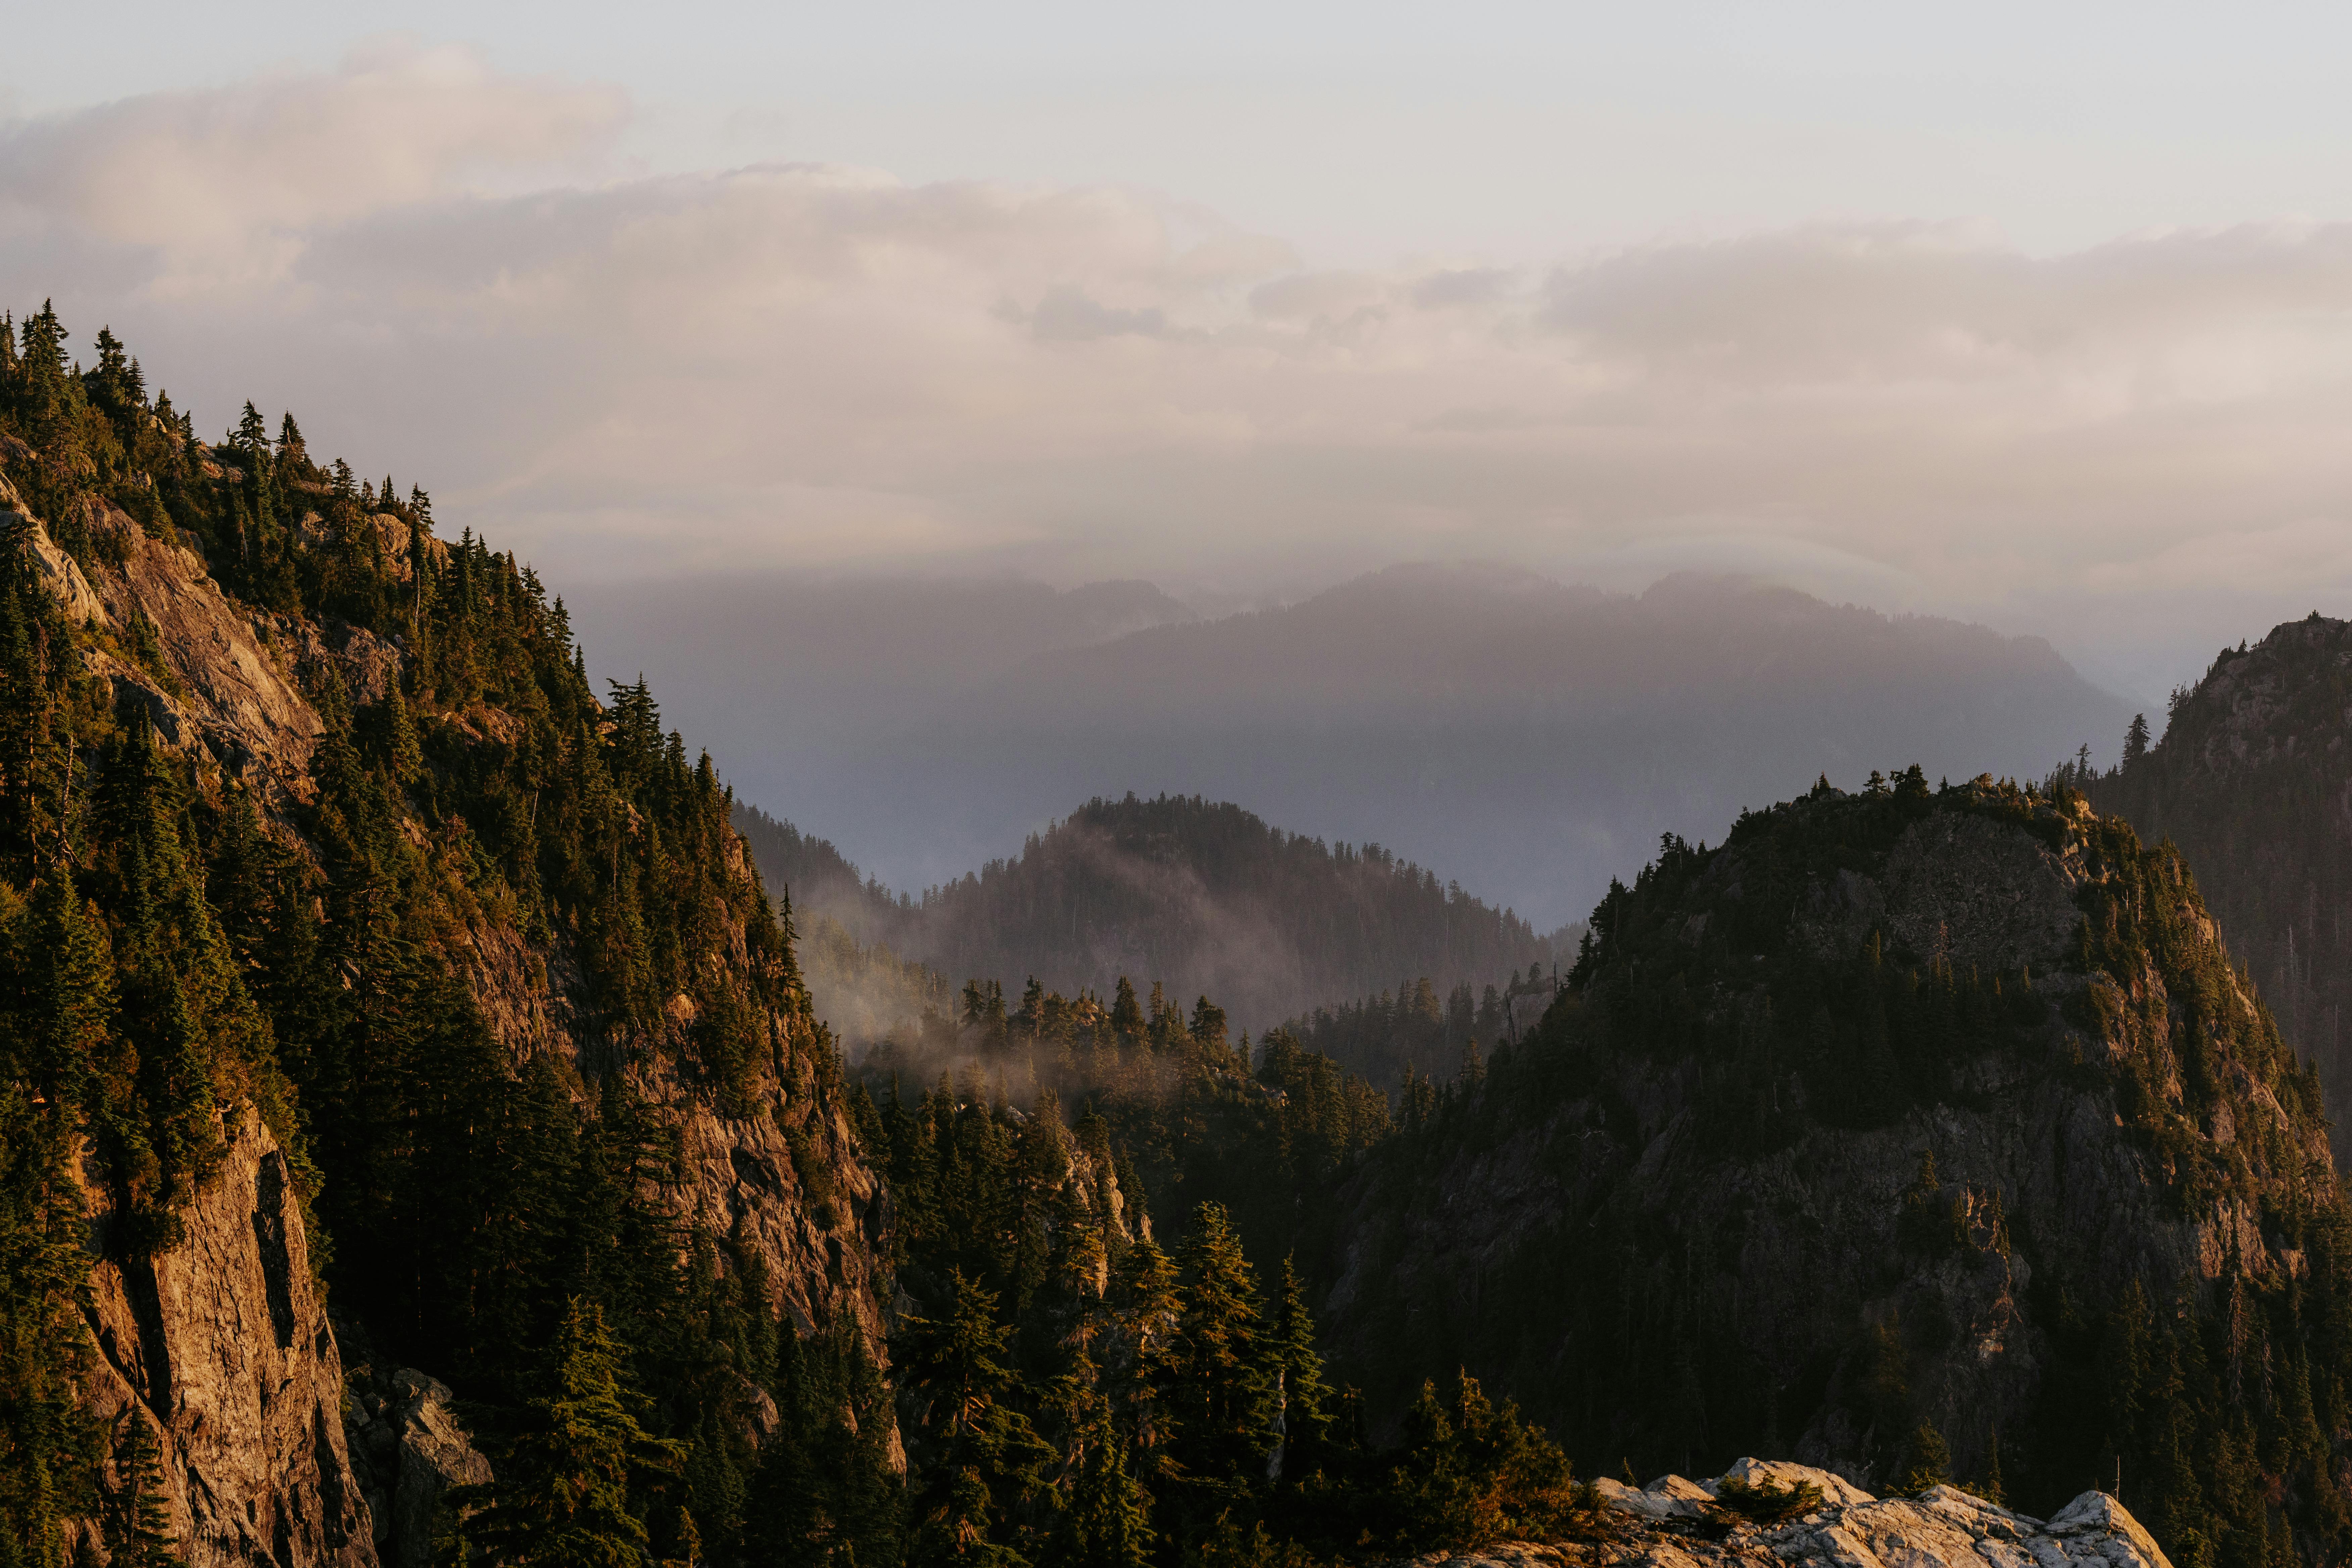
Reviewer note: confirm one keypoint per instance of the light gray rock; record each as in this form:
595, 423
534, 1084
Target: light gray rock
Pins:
1834, 1488
1943, 1528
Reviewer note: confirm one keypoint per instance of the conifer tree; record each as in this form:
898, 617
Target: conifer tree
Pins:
1303, 1395
1931, 1461
561, 1486
138, 1527
1219, 1386
983, 1454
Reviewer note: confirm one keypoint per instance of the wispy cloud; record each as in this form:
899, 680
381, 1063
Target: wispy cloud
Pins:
445, 266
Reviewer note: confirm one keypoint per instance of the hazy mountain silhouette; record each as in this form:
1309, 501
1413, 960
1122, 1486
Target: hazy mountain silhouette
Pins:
1524, 737
1528, 739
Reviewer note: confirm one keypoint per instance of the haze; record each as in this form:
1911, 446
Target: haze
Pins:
2037, 318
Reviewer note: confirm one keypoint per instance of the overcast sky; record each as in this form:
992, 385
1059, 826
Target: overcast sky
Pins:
2038, 315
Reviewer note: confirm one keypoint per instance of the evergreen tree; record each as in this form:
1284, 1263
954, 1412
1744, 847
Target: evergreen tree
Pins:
564, 1478
1219, 1387
1930, 1462
985, 1458
138, 1529
1304, 1396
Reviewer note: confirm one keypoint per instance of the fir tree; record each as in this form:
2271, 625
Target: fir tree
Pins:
1304, 1395
138, 1527
562, 1491
1220, 1387
1930, 1462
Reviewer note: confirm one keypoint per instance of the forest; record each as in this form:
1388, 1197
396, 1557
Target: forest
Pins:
1202, 895
2246, 778
1077, 1270
178, 938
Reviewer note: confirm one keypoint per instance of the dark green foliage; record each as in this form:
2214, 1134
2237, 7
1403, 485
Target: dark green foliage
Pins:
1700, 1001
1766, 1502
574, 1459
1392, 1038
137, 1524
1181, 875
2247, 787
1931, 1461
168, 950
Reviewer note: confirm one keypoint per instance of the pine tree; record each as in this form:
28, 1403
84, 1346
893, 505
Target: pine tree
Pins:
1127, 1021
1220, 1388
561, 1491
1304, 1395
2136, 740
1991, 1487
1931, 1461
983, 1456
138, 1524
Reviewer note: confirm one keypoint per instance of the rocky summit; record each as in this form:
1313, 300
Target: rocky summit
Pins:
1792, 1516
1904, 1120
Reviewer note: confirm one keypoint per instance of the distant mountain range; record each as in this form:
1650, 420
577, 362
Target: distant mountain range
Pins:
1532, 739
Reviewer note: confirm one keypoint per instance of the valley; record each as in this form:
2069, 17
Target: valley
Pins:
441, 1120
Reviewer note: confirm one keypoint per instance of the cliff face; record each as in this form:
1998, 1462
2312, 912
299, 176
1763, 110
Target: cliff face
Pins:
1893, 1112
2252, 779
220, 1343
220, 1346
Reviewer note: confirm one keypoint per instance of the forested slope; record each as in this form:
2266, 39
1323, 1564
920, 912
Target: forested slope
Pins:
342, 920
1202, 896
2252, 779
1905, 1122
417, 1142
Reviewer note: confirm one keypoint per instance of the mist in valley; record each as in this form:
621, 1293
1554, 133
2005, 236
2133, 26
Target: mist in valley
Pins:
1526, 739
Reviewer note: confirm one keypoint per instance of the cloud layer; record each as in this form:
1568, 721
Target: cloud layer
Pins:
444, 271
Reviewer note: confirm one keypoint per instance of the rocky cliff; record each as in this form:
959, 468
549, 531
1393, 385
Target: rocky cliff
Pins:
1901, 1119
219, 1341
1780, 1515
220, 1346
2251, 777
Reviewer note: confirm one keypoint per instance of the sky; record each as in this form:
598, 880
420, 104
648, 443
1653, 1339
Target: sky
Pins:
2040, 316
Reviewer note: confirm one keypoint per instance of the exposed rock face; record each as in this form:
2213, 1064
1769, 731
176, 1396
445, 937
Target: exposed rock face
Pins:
408, 1448
226, 693
220, 1344
1674, 1523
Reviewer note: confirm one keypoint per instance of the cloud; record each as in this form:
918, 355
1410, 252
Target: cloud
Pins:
227, 175
1066, 315
439, 268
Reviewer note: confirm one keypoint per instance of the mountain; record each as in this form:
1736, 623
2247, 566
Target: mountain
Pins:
1203, 899
798, 678
375, 997
418, 1141
2252, 779
1532, 739
1908, 1122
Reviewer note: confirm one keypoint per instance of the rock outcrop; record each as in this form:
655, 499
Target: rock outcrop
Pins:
2252, 776
408, 1448
221, 1346
1677, 1524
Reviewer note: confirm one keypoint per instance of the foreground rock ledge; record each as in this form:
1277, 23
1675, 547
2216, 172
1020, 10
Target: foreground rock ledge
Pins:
1672, 1523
